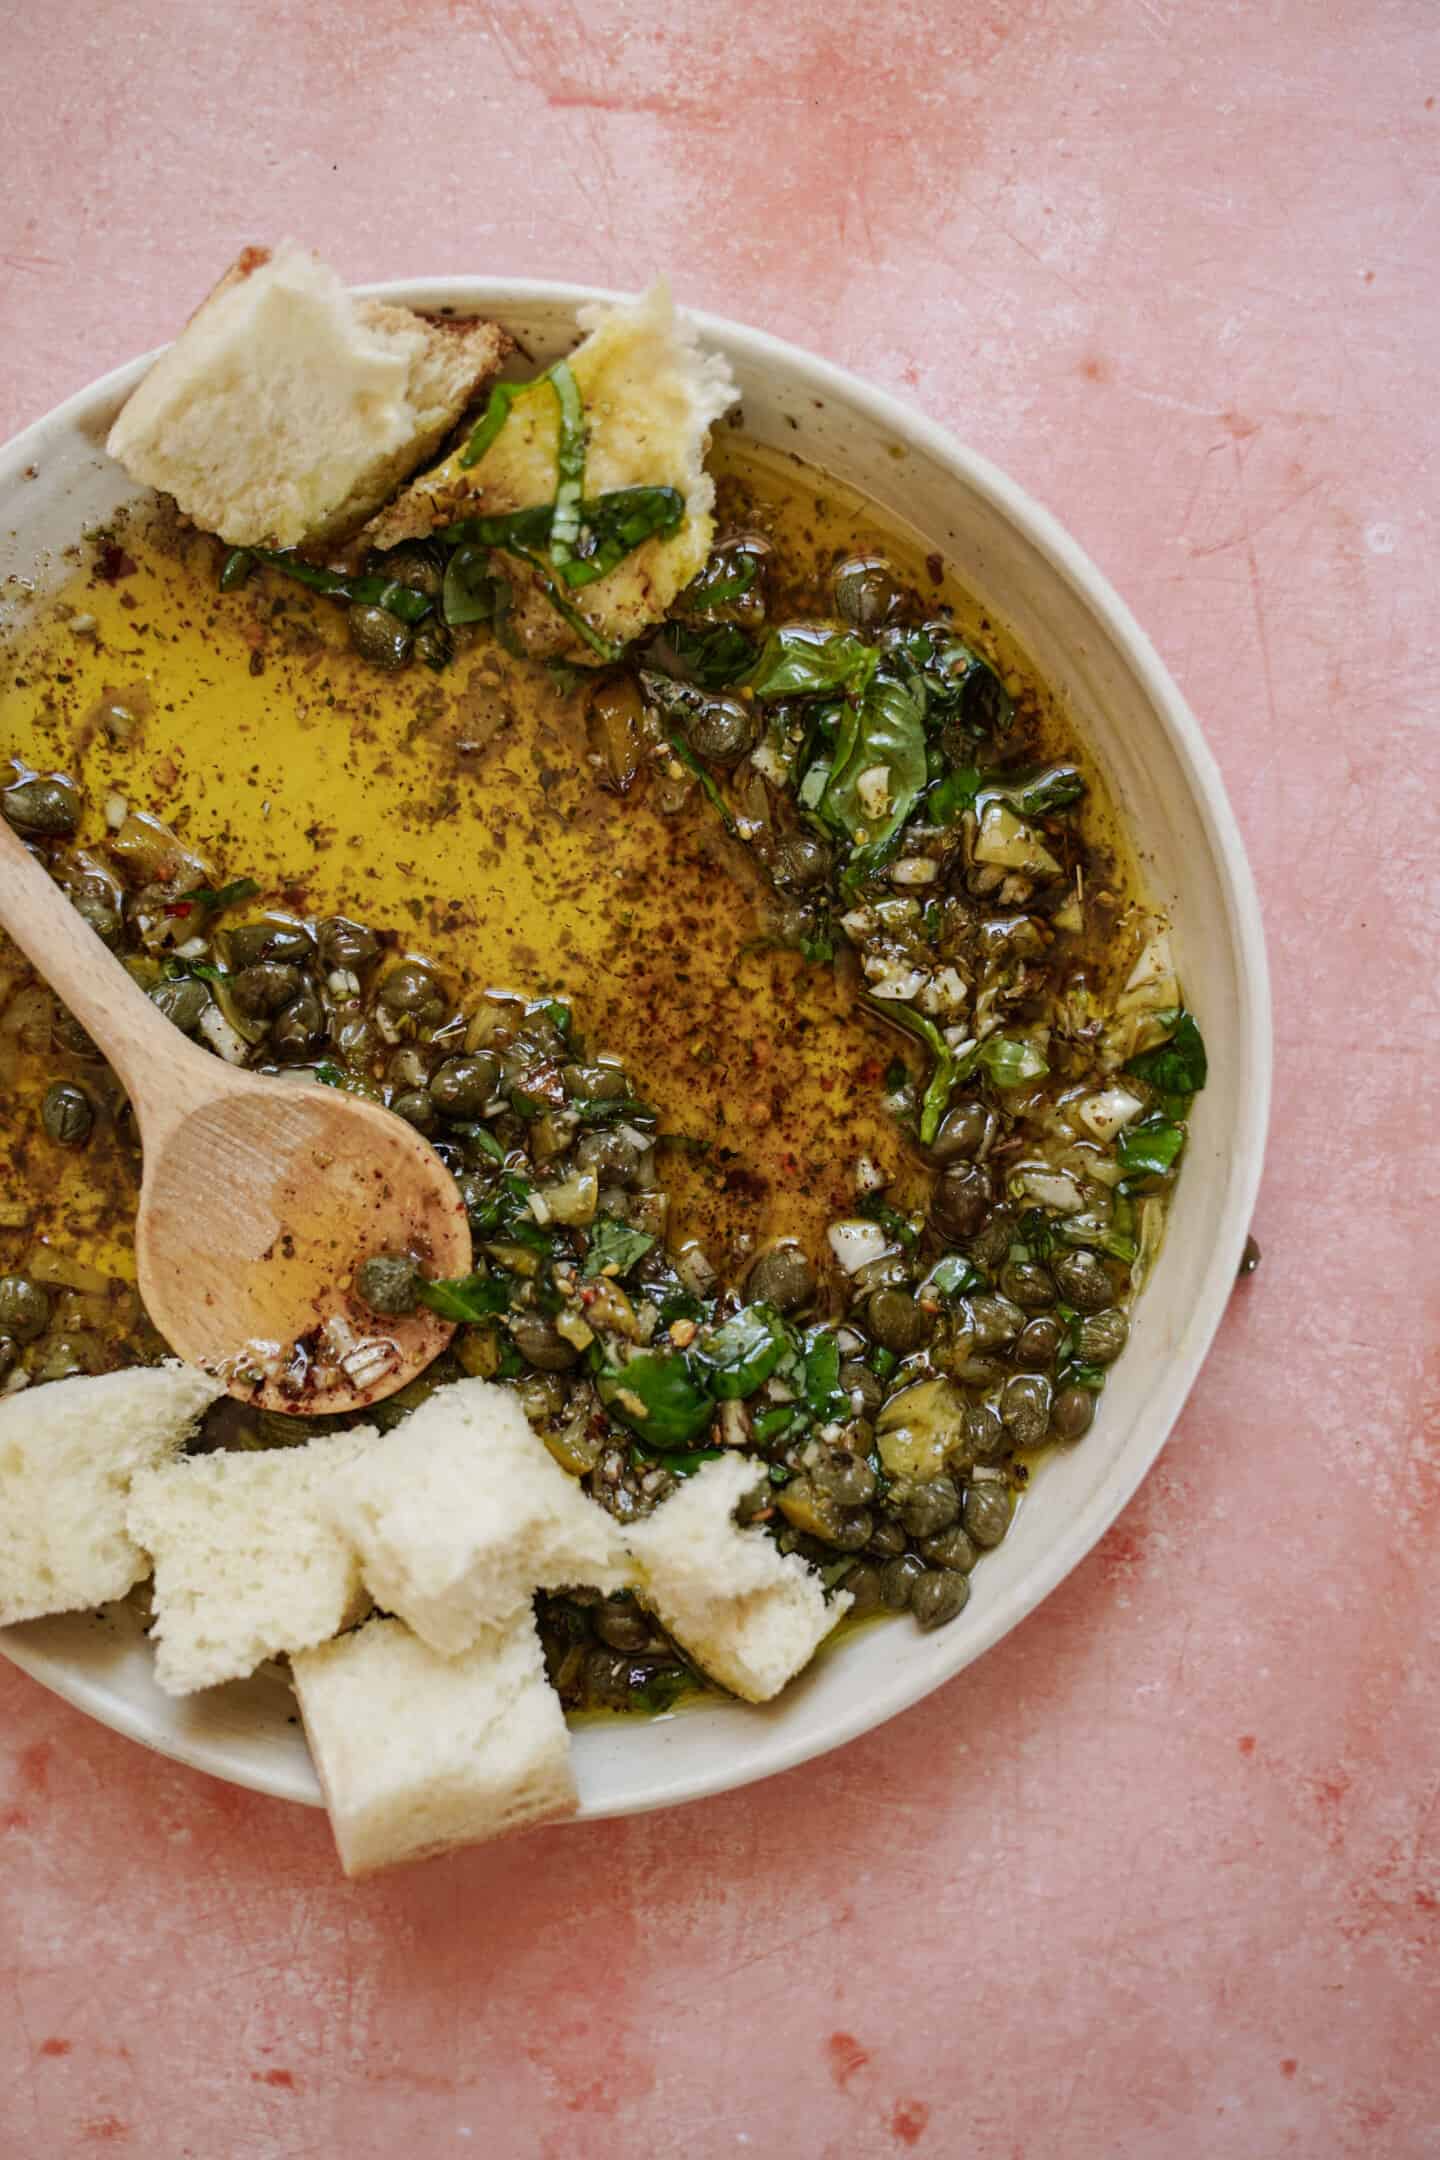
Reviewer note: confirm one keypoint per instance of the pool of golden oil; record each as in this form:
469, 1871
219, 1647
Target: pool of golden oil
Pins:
462, 811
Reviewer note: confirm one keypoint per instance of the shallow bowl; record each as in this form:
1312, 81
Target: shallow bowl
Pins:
1029, 574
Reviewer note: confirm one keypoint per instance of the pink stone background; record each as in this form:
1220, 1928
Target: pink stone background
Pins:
1159, 1878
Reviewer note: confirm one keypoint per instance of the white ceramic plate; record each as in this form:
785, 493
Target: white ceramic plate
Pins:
1012, 555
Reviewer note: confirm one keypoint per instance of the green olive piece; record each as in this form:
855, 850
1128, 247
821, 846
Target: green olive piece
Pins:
541, 1344
389, 1284
378, 636
47, 809
67, 1114
24, 1307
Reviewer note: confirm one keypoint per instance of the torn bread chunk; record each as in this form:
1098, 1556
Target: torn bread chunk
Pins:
650, 398
748, 1614
459, 1514
417, 1752
287, 411
247, 1563
69, 1451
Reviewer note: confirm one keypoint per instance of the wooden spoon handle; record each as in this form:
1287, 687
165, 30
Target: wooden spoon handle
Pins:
152, 1058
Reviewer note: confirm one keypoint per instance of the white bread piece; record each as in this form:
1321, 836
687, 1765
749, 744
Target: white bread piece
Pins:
286, 411
461, 1513
417, 1753
247, 1562
651, 397
68, 1452
749, 1615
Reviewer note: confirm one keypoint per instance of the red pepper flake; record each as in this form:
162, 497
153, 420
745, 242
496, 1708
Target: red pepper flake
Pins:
113, 563
871, 1072
181, 908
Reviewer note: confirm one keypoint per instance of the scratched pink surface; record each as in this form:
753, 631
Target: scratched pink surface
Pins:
1159, 1878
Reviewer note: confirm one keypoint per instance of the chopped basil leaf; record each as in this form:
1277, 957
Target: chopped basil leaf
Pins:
236, 568
569, 465
488, 426
884, 734
667, 1409
743, 1352
824, 1397
608, 1109
954, 1276
614, 1247
947, 1071
713, 657
402, 601
211, 900
804, 660
1152, 1147
467, 1297
1177, 1066
891, 1221
957, 792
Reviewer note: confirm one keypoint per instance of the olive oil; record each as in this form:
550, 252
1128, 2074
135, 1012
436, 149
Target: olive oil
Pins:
464, 813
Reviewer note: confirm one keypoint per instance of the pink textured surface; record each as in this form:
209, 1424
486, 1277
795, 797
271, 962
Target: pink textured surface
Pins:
1158, 1878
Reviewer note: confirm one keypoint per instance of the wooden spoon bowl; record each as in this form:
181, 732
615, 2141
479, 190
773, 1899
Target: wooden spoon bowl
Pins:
259, 1197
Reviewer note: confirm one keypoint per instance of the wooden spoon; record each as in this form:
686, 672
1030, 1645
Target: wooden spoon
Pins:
259, 1197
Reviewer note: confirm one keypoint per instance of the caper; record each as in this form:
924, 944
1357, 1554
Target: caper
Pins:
614, 1159
929, 1506
1083, 1280
993, 1320
962, 1132
378, 636
1073, 1413
594, 1083
896, 1322
48, 808
9, 1356
69, 1035
898, 1579
1100, 1339
986, 1513
24, 1307
299, 1030
274, 938
412, 564
434, 646
99, 910
847, 1479
867, 591
961, 1200
346, 944
887, 1539
264, 987
389, 1284
1028, 1284
992, 1241
863, 1584
412, 991
541, 1344
1038, 1344
620, 1623
952, 1548
986, 1438
782, 1277
721, 729
940, 1595
415, 1106
1025, 1408
464, 1085
800, 862
354, 1036
66, 1114
857, 1379
182, 1002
